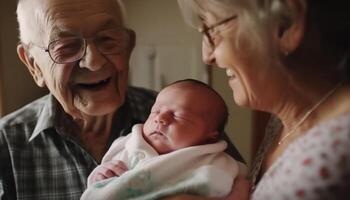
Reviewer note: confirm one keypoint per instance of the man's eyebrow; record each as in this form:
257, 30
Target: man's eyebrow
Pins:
59, 32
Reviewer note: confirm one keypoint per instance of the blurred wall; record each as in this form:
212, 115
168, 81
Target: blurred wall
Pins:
239, 125
166, 49
17, 86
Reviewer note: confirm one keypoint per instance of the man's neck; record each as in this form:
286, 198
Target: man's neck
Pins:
95, 133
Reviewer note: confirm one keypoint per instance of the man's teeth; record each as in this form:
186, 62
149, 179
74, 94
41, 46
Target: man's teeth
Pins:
230, 73
99, 83
103, 81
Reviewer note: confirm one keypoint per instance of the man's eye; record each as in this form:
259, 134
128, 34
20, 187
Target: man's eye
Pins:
66, 47
114, 36
105, 39
111, 44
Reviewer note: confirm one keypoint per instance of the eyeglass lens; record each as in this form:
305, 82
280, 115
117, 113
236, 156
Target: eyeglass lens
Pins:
71, 49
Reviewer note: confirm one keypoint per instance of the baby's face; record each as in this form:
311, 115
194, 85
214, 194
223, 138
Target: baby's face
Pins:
179, 119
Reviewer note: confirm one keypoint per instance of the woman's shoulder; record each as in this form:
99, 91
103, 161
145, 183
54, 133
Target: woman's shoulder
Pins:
337, 128
331, 137
317, 161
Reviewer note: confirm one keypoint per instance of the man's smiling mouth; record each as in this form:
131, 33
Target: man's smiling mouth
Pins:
95, 86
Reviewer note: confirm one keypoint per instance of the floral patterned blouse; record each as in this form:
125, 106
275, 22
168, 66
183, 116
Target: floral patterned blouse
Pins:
314, 166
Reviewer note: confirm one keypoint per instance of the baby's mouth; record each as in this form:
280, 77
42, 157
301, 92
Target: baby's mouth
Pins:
97, 85
158, 133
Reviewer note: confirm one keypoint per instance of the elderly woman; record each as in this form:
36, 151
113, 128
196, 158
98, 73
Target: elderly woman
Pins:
289, 58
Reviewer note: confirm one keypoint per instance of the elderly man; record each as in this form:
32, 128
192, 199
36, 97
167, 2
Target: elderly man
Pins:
79, 50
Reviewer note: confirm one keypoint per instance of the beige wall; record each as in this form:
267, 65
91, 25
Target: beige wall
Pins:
239, 123
166, 49
17, 86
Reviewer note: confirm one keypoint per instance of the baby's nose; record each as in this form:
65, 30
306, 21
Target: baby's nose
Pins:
162, 119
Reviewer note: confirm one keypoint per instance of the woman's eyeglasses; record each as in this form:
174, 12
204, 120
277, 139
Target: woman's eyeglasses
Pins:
206, 31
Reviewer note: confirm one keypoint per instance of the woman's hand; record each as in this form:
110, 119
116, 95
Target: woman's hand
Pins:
240, 191
190, 197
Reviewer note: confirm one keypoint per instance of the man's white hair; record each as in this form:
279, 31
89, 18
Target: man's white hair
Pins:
27, 20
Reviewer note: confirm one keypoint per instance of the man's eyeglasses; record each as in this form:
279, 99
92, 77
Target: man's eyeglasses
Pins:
207, 31
71, 49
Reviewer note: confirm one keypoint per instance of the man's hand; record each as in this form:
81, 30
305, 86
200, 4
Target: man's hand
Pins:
108, 170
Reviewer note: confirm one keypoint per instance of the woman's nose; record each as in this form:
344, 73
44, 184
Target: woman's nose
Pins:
208, 54
93, 59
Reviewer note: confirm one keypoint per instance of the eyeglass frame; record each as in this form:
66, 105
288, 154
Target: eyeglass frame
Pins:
47, 50
205, 30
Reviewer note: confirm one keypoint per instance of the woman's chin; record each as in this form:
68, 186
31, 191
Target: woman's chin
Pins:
240, 100
233, 83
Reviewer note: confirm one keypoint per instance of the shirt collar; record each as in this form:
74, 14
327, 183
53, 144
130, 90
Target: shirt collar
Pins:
52, 116
46, 118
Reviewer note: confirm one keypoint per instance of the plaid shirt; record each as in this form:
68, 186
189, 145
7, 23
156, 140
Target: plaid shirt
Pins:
40, 159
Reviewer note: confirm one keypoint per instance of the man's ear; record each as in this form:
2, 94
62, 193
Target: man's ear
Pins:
29, 62
132, 42
290, 30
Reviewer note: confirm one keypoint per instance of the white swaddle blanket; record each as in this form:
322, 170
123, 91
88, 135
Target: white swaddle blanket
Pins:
204, 170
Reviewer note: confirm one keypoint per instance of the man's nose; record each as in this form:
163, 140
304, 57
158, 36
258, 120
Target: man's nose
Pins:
208, 54
93, 59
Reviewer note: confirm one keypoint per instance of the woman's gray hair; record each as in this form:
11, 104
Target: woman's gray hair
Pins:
330, 18
255, 17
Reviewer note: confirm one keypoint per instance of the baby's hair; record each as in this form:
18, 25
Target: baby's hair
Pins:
224, 116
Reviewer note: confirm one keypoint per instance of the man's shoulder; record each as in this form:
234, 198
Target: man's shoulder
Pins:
138, 104
141, 98
138, 93
28, 114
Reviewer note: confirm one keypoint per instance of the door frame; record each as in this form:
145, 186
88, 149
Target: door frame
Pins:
1, 84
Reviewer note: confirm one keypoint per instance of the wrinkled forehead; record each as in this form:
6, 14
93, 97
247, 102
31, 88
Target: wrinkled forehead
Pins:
69, 15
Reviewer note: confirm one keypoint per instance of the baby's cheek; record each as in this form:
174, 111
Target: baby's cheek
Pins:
146, 127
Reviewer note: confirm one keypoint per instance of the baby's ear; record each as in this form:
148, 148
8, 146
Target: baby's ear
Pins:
213, 136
